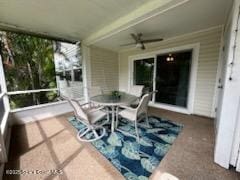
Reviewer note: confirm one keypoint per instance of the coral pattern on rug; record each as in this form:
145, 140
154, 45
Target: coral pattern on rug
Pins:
136, 160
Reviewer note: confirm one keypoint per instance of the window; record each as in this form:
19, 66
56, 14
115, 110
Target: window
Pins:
68, 75
78, 75
33, 70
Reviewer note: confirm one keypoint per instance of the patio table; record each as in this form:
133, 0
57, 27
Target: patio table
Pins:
113, 102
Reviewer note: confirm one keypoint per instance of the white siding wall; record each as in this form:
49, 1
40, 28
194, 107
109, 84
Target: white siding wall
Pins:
104, 68
73, 89
207, 65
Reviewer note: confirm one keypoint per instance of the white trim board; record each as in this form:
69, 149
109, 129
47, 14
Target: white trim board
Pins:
228, 115
218, 76
87, 77
31, 91
193, 74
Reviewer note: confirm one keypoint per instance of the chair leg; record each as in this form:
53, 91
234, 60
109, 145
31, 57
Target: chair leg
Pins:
136, 129
113, 119
108, 117
81, 134
117, 118
96, 135
116, 124
147, 120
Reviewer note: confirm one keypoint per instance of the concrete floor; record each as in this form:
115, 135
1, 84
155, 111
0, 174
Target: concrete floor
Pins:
51, 144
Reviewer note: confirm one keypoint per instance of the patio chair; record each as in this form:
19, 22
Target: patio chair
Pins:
136, 90
89, 117
135, 114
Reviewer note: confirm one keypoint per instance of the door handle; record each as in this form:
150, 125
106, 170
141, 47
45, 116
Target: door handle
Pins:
220, 87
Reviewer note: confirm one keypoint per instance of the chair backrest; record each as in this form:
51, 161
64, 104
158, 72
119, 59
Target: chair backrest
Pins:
143, 105
151, 94
136, 90
94, 91
78, 110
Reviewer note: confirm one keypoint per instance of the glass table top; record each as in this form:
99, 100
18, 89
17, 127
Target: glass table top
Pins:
109, 99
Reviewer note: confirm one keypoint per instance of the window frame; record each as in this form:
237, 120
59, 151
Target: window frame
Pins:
193, 75
3, 125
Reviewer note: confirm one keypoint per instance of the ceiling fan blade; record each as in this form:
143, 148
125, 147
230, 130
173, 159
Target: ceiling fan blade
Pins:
152, 40
128, 44
135, 37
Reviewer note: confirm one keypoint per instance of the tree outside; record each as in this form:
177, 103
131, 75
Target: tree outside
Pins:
28, 65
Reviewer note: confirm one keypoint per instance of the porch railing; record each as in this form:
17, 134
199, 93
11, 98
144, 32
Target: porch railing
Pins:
4, 117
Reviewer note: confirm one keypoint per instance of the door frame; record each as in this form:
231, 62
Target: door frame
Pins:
193, 75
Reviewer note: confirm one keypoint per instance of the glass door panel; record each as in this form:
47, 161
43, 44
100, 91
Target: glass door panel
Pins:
172, 78
143, 73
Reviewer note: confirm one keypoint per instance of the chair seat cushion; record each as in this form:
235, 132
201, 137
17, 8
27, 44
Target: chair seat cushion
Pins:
128, 114
96, 116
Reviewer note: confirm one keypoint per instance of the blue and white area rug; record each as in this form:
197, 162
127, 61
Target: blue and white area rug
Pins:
136, 160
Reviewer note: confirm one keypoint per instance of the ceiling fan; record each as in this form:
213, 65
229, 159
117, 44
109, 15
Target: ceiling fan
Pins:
140, 42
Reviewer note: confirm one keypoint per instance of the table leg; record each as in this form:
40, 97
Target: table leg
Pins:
113, 117
116, 124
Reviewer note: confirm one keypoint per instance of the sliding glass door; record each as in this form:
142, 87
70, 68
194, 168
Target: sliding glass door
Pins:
143, 73
172, 78
169, 74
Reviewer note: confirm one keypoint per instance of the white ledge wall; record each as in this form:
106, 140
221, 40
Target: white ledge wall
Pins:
40, 113
207, 65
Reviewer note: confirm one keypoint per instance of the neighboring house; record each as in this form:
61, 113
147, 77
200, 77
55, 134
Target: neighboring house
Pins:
68, 65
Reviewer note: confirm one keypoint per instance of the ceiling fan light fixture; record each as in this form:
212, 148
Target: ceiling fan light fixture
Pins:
170, 58
138, 45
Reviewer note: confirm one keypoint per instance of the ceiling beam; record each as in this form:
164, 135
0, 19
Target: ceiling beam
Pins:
21, 30
146, 11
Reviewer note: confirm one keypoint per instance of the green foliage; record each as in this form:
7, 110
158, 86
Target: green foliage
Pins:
31, 66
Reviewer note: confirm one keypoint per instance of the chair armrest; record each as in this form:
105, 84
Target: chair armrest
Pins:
127, 107
84, 104
95, 109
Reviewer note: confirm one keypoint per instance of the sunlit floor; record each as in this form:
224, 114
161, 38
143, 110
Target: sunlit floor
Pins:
45, 146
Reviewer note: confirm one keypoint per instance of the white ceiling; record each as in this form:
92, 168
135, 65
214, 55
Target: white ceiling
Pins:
81, 19
74, 19
192, 16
